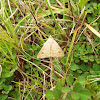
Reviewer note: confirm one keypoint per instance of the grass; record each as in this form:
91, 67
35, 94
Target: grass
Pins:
25, 26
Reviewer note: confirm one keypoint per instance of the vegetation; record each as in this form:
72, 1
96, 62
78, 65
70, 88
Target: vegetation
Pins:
24, 27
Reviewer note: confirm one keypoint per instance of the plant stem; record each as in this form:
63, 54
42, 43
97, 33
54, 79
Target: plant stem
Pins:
71, 47
51, 73
44, 87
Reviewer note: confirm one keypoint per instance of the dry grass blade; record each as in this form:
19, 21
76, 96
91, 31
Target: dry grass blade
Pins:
93, 30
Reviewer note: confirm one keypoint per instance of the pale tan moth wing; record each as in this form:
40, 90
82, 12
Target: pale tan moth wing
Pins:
45, 51
50, 49
56, 50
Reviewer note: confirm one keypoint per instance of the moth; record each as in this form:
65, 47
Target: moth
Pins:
50, 49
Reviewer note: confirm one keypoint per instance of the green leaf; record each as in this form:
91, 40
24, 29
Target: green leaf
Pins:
86, 74
93, 72
91, 58
89, 49
96, 12
28, 46
79, 71
97, 60
99, 6
69, 96
76, 75
98, 95
84, 94
39, 96
53, 1
75, 96
3, 97
69, 80
5, 75
77, 60
60, 83
86, 58
2, 80
83, 67
49, 94
89, 10
37, 62
35, 47
57, 93
96, 67
90, 18
81, 80
9, 87
65, 89
77, 87
63, 60
74, 67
